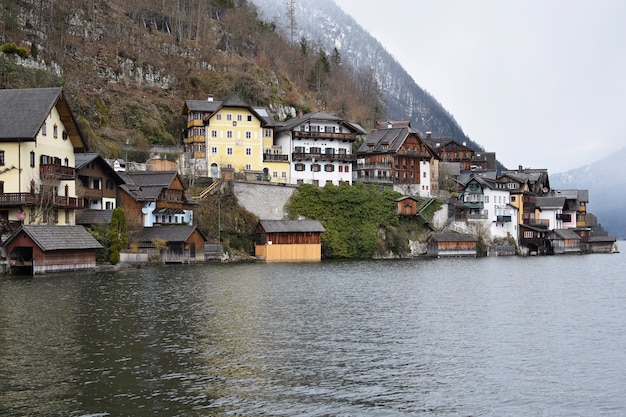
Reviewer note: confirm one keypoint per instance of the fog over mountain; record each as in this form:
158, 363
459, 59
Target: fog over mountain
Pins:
323, 23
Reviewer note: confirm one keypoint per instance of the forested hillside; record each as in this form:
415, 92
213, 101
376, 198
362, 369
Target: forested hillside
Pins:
127, 66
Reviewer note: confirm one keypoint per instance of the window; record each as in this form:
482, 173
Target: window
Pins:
214, 150
513, 199
55, 131
268, 133
248, 151
109, 184
109, 205
487, 199
511, 185
65, 135
239, 118
229, 166
44, 129
1, 157
329, 167
299, 167
248, 167
32, 159
214, 133
315, 167
229, 117
347, 168
67, 217
55, 216
283, 174
340, 168
229, 134
248, 135
229, 151
218, 117
95, 183
1, 187
274, 174
249, 118
528, 235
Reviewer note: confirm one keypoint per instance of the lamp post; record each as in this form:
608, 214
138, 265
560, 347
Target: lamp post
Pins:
126, 157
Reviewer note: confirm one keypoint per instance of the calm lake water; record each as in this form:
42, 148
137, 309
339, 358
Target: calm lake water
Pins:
507, 336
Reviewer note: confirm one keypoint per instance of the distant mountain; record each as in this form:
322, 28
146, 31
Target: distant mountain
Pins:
324, 23
605, 181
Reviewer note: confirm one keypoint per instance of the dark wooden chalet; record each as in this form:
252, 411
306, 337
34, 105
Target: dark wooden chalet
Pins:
38, 249
395, 156
533, 238
451, 151
288, 240
451, 244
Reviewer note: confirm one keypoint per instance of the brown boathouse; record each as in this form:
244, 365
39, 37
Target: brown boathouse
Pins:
288, 240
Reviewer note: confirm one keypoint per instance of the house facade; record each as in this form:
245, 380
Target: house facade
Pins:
225, 134
451, 244
401, 157
96, 182
488, 202
318, 147
38, 139
451, 151
155, 198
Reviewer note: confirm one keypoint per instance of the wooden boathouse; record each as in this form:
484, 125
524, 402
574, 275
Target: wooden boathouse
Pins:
39, 249
451, 244
288, 240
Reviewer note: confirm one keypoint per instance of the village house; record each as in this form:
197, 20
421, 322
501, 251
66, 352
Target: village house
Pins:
226, 134
488, 202
155, 198
399, 156
38, 139
318, 147
451, 151
170, 244
288, 240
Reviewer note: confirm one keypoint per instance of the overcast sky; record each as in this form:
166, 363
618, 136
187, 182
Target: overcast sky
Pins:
540, 82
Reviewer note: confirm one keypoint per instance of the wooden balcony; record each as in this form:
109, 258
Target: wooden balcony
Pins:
271, 157
195, 123
297, 134
28, 199
57, 172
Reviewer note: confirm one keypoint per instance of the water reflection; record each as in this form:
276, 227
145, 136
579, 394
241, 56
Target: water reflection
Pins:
446, 337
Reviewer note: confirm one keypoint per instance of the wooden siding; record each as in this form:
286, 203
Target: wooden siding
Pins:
451, 248
407, 207
289, 252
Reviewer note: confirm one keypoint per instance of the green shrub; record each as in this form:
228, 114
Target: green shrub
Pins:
13, 49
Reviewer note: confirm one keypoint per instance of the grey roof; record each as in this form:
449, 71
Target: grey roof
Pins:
563, 234
573, 194
452, 237
49, 238
147, 185
550, 202
320, 117
289, 226
233, 100
89, 217
84, 159
173, 233
23, 112
598, 239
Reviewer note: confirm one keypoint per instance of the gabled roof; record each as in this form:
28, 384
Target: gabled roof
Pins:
23, 112
84, 159
49, 238
173, 233
290, 226
563, 234
147, 185
486, 182
233, 100
89, 217
320, 117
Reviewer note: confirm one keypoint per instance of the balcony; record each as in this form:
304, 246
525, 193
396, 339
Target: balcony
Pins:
302, 156
28, 199
324, 135
272, 157
195, 123
56, 172
413, 154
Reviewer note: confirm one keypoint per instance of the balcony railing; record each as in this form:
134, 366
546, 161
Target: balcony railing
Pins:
302, 156
412, 153
28, 199
267, 157
324, 135
57, 172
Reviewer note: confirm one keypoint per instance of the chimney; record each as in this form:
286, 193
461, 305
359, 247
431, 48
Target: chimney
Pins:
389, 124
210, 97
428, 135
521, 168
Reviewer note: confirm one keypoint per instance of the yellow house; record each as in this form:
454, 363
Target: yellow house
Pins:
38, 139
229, 134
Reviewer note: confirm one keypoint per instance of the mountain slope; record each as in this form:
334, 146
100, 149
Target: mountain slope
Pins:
322, 22
607, 201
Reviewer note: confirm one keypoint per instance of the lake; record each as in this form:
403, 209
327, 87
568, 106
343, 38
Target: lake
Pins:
505, 336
